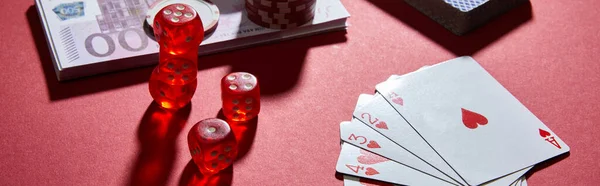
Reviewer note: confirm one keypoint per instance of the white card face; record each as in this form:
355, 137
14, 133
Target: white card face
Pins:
473, 122
365, 160
360, 135
358, 162
382, 117
356, 181
511, 179
364, 137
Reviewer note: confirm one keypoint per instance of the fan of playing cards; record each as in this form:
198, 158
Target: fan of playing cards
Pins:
447, 124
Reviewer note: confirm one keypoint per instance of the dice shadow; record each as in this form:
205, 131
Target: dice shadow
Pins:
191, 176
157, 135
244, 133
468, 44
277, 66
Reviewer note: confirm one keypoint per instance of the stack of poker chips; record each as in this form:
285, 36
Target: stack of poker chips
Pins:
280, 14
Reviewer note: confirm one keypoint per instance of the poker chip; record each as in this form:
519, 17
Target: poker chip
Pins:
281, 7
209, 14
280, 14
283, 19
304, 12
304, 15
260, 22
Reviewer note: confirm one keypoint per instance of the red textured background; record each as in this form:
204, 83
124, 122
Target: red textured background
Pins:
103, 130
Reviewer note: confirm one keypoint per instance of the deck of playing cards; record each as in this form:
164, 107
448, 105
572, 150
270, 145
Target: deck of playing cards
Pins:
447, 124
462, 16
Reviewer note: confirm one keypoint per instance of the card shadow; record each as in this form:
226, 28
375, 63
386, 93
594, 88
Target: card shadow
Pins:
278, 64
364, 181
339, 176
468, 44
157, 135
545, 164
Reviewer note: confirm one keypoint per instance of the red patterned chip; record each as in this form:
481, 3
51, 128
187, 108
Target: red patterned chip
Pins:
259, 21
308, 12
280, 14
300, 19
279, 4
281, 7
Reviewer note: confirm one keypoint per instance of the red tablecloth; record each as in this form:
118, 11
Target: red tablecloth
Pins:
103, 130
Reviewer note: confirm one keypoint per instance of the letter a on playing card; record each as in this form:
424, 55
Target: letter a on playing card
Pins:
473, 122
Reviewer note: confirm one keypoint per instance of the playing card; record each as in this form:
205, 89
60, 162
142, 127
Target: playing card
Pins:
356, 181
361, 163
371, 158
381, 117
515, 177
357, 134
425, 154
469, 119
364, 137
360, 135
462, 16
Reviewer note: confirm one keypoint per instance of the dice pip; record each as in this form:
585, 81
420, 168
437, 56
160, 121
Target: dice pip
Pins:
240, 94
178, 31
212, 145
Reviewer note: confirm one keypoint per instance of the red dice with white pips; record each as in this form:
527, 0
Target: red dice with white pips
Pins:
178, 30
212, 145
240, 93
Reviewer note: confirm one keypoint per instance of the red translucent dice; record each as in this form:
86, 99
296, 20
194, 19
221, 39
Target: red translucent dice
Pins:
240, 94
212, 145
178, 31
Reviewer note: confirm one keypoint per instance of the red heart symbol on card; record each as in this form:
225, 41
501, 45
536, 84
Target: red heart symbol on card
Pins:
399, 101
472, 119
370, 182
371, 171
544, 133
381, 125
369, 158
373, 144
